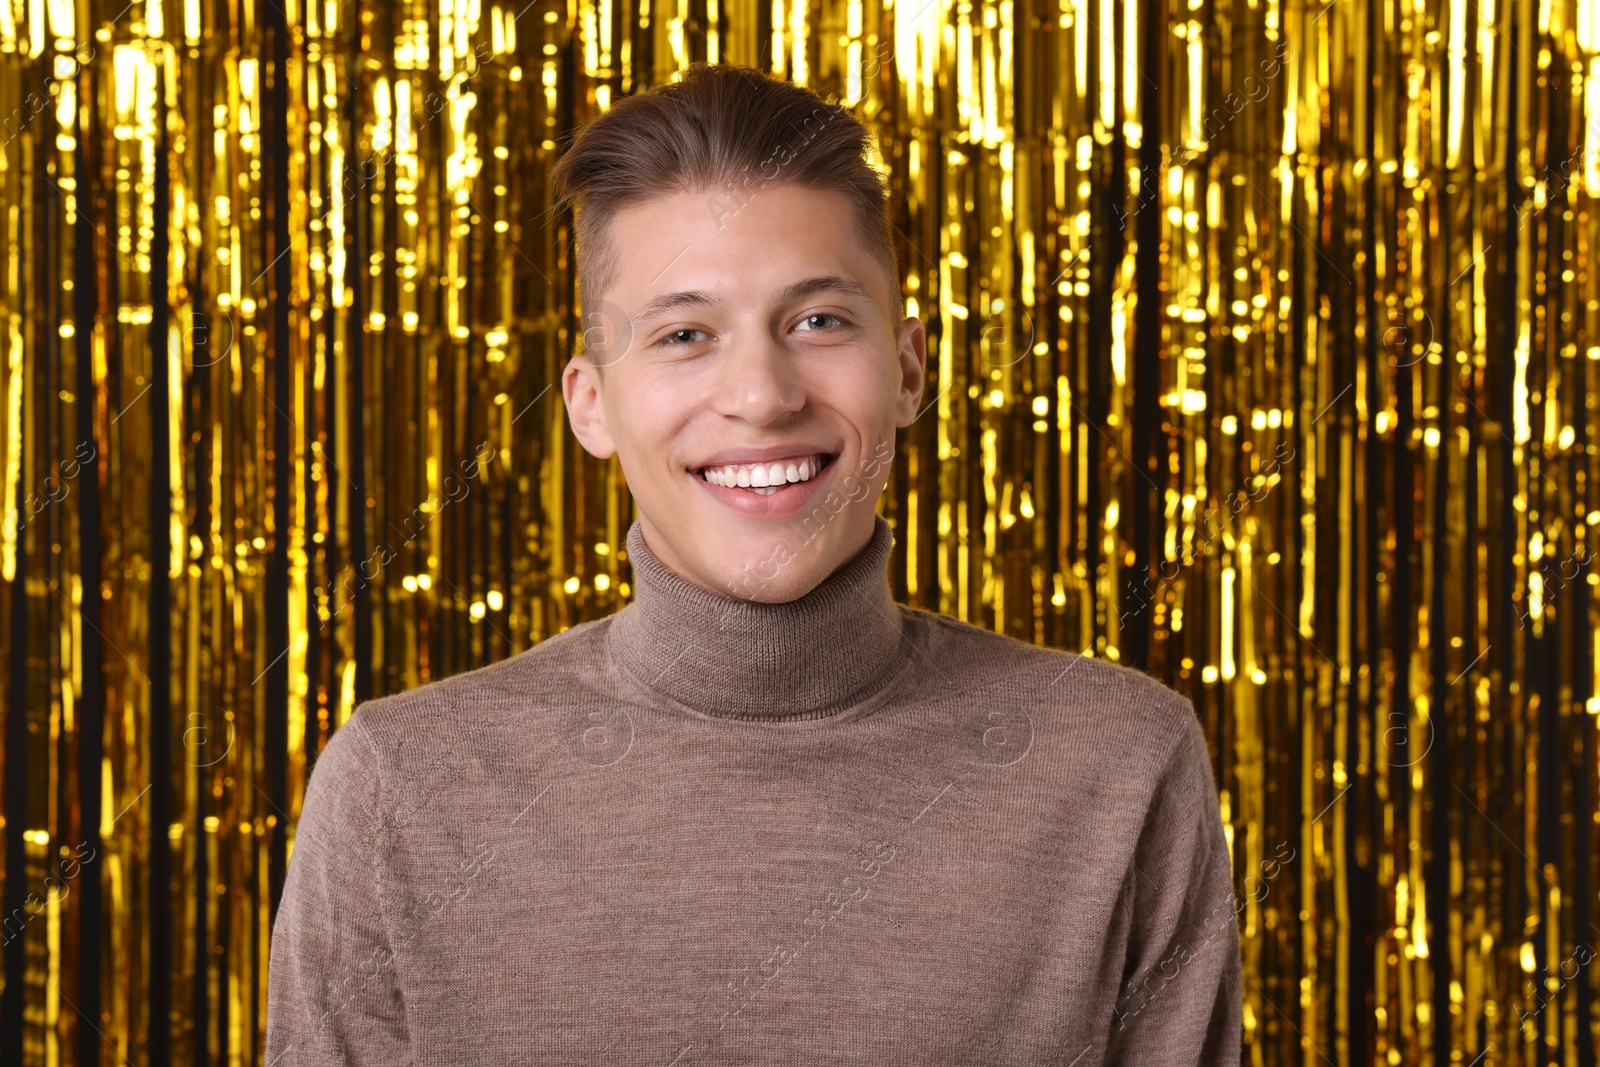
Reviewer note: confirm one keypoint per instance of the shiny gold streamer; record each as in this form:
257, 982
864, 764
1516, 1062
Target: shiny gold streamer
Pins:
1262, 337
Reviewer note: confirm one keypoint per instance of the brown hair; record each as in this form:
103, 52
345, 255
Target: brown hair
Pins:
723, 130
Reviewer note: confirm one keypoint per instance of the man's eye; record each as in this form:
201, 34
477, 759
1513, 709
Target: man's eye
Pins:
820, 315
676, 337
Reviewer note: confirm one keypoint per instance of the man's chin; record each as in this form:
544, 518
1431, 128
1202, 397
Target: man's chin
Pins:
765, 566
762, 560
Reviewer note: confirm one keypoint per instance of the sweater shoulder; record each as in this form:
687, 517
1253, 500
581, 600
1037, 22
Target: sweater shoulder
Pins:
1084, 701
559, 671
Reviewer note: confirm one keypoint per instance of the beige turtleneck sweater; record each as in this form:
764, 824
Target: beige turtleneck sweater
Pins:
707, 831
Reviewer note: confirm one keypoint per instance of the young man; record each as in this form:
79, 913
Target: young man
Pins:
763, 814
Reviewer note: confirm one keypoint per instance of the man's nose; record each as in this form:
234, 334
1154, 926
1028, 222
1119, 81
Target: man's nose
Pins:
759, 381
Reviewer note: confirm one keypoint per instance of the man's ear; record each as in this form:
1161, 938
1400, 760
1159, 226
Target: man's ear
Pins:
913, 364
580, 388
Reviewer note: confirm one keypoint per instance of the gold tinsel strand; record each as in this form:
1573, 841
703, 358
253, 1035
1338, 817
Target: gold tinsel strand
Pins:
1261, 340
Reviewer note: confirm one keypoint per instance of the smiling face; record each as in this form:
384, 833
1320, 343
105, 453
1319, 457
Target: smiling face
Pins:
756, 367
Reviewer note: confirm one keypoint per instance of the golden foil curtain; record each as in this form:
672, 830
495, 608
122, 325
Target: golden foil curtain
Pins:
1262, 338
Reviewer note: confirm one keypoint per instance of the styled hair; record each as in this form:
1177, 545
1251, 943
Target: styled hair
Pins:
724, 131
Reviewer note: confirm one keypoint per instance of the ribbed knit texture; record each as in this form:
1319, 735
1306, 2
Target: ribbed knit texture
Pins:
719, 655
710, 831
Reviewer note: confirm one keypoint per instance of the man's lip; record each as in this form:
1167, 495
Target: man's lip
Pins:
766, 455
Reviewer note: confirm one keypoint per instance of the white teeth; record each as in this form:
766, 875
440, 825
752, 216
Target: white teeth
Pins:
767, 479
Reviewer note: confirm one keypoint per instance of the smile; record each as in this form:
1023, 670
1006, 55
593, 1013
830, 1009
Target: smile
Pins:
767, 478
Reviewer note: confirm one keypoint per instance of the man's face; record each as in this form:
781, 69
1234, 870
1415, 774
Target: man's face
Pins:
756, 366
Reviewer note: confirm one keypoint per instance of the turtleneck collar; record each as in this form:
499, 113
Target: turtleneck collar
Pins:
726, 657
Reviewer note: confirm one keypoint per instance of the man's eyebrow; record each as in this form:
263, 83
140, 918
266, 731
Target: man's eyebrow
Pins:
826, 283
661, 305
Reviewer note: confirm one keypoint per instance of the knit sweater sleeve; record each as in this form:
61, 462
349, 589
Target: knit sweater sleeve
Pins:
1180, 1001
333, 996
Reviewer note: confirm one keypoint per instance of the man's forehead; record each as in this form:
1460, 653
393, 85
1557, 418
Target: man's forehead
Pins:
657, 234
